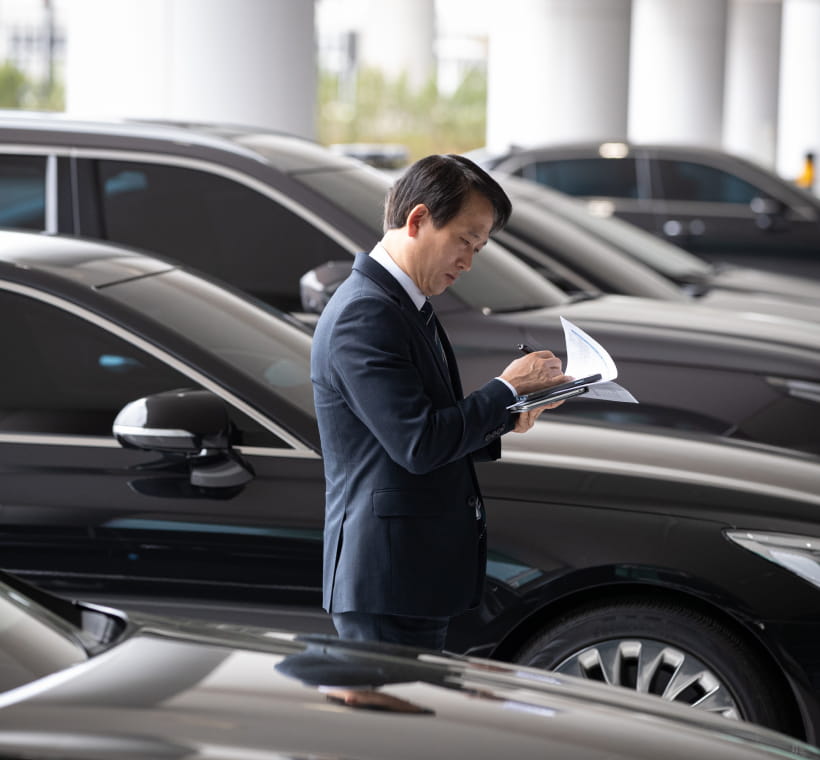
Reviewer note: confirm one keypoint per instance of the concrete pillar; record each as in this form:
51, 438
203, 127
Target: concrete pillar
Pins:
233, 61
799, 115
752, 79
398, 37
557, 71
677, 71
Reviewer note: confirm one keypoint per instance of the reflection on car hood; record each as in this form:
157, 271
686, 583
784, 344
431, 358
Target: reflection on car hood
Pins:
646, 317
669, 459
759, 281
738, 301
193, 690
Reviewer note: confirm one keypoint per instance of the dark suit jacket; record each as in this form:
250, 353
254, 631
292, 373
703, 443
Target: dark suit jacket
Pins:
398, 439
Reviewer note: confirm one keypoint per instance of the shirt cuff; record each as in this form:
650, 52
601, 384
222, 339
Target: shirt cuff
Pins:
512, 390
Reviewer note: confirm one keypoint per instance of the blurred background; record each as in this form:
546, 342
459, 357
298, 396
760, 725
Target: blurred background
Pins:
392, 80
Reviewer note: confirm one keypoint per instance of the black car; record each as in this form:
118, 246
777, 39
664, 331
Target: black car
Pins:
680, 565
259, 210
713, 203
81, 681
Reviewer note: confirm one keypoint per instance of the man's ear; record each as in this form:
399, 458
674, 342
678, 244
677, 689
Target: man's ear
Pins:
418, 215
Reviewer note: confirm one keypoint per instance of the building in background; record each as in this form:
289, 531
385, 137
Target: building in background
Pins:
733, 74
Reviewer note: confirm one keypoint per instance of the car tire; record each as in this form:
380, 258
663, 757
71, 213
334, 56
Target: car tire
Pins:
660, 648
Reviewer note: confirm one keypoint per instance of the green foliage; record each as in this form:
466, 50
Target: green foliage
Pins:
19, 91
375, 110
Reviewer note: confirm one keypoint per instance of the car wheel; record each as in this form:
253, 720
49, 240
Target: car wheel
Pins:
656, 648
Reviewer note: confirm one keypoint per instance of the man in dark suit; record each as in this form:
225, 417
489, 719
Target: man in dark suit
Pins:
405, 544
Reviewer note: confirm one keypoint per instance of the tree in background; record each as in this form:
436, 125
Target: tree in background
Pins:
376, 110
19, 91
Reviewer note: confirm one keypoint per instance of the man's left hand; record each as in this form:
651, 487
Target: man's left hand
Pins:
527, 419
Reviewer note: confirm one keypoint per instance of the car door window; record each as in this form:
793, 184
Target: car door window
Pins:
67, 376
614, 178
23, 192
691, 181
213, 224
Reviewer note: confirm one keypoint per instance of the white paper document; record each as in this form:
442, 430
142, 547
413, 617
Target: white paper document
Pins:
591, 366
585, 357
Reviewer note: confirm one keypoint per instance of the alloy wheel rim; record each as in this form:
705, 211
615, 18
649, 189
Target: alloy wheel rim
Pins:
652, 667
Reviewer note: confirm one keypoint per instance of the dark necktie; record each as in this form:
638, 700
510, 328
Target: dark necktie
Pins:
429, 318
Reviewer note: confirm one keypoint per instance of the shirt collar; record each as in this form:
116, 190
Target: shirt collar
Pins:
380, 254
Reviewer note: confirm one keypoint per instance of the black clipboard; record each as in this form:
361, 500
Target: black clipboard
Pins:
554, 393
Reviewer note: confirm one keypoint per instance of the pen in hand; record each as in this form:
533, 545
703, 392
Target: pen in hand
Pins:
524, 348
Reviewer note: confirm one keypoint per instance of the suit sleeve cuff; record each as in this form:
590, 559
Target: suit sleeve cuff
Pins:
512, 390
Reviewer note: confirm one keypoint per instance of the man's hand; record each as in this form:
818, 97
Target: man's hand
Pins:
527, 419
534, 372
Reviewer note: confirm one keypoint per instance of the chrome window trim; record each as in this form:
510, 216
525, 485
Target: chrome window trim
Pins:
51, 194
98, 442
117, 154
299, 448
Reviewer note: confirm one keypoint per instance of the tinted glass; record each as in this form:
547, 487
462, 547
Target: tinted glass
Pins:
214, 224
261, 344
688, 181
23, 192
71, 377
498, 281
615, 178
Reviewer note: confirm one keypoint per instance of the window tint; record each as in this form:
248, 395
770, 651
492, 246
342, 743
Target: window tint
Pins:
71, 377
213, 224
688, 181
262, 343
609, 177
23, 192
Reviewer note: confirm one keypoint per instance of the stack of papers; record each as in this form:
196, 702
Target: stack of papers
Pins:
591, 365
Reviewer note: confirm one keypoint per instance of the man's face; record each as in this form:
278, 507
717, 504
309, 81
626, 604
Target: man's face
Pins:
443, 254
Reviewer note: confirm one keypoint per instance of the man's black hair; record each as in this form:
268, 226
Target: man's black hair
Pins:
443, 183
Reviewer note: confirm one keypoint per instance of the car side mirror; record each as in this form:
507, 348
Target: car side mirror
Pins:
770, 213
317, 285
194, 423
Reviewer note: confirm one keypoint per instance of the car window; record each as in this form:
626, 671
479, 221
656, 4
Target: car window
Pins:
255, 339
71, 377
691, 181
214, 224
23, 192
615, 178
498, 281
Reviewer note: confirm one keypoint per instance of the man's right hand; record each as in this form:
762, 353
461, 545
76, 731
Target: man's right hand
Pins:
534, 372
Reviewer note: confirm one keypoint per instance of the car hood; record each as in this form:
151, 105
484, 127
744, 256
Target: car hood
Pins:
762, 303
759, 281
214, 691
649, 330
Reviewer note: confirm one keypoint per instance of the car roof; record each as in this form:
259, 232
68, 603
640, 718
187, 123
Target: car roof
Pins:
86, 262
286, 152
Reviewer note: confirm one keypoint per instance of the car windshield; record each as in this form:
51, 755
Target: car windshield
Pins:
249, 335
663, 257
34, 642
498, 281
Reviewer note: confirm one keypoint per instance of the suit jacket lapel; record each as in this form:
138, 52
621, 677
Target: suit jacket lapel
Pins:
376, 272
